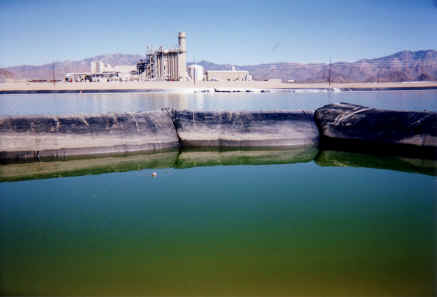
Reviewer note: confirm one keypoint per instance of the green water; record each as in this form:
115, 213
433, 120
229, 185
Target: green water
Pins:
284, 223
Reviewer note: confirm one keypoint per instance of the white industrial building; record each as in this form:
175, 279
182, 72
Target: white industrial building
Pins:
101, 72
126, 72
228, 75
196, 72
99, 67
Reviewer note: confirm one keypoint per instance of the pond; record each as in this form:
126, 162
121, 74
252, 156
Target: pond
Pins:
298, 222
74, 103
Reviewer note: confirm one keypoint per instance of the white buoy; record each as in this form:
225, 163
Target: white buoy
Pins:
154, 174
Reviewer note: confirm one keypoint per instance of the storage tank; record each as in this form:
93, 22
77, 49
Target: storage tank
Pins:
196, 72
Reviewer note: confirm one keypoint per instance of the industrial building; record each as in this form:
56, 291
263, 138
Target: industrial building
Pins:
228, 75
101, 72
98, 67
165, 64
196, 72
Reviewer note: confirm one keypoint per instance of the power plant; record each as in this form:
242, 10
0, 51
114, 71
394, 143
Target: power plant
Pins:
171, 64
159, 65
165, 64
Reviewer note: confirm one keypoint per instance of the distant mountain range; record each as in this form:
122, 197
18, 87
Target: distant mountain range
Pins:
58, 69
401, 66
4, 74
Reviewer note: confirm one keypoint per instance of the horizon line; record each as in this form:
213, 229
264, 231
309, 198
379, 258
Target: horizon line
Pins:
203, 60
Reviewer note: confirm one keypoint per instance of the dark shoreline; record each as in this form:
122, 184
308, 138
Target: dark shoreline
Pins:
81, 91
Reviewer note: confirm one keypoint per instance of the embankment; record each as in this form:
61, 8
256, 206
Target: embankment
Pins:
347, 126
246, 129
344, 126
51, 137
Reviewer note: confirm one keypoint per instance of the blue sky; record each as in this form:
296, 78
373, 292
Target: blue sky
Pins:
237, 32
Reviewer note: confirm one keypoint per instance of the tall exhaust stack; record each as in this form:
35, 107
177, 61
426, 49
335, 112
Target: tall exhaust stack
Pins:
182, 38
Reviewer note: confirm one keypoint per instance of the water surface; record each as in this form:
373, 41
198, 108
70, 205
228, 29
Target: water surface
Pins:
13, 104
294, 229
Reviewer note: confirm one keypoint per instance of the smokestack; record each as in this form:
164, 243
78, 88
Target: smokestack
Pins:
182, 37
182, 42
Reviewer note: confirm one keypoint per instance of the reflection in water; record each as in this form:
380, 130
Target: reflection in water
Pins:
196, 158
353, 159
13, 104
103, 103
127, 162
90, 103
78, 167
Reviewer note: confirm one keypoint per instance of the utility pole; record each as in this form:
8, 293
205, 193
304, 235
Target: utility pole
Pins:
194, 71
54, 79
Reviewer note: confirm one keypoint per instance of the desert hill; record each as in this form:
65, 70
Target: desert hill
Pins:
401, 66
